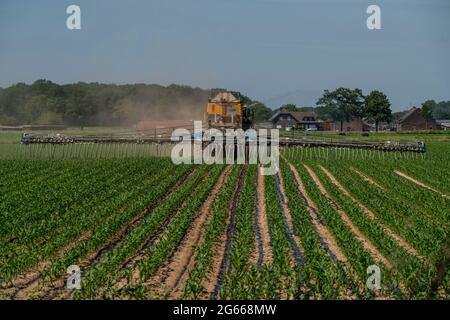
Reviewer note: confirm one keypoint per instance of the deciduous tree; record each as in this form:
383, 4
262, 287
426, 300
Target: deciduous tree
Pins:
342, 104
377, 108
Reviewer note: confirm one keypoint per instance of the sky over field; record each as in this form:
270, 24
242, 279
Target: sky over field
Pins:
277, 51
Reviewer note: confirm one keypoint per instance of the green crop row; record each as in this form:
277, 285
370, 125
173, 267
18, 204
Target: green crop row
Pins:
174, 232
109, 269
420, 200
24, 258
212, 232
423, 234
325, 275
285, 273
94, 215
121, 213
408, 271
352, 248
64, 198
237, 284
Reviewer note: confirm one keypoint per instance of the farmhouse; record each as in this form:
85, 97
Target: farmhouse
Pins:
413, 120
295, 120
307, 120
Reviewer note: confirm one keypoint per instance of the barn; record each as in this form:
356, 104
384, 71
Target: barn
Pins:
413, 120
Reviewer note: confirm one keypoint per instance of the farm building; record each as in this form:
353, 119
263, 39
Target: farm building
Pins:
307, 120
355, 125
413, 120
443, 124
295, 120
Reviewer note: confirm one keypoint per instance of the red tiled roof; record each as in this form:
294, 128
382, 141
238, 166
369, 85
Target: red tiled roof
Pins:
407, 114
299, 116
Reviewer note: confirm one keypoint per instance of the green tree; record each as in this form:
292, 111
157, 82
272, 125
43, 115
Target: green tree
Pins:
442, 110
261, 112
322, 113
305, 109
122, 112
341, 105
427, 111
97, 104
33, 108
377, 108
79, 109
289, 107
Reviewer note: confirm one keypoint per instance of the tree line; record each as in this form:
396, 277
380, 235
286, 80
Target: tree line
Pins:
96, 104
344, 104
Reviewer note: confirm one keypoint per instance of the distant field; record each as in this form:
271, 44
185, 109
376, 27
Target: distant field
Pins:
437, 135
10, 147
14, 136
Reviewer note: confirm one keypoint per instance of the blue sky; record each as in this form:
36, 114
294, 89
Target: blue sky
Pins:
277, 51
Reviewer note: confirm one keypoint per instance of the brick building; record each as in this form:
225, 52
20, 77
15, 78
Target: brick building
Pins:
295, 120
355, 125
413, 120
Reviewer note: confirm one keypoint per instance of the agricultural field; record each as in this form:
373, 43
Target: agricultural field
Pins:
140, 227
